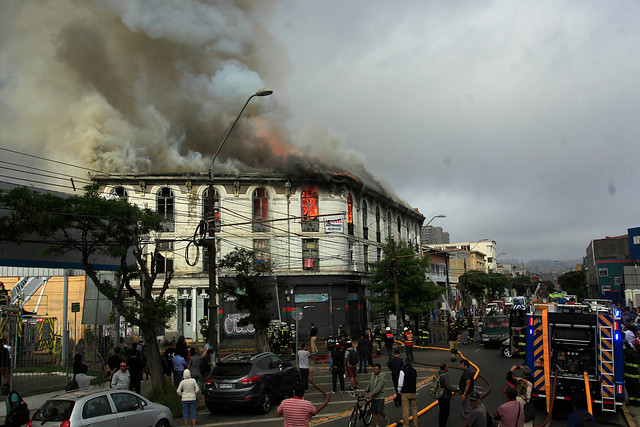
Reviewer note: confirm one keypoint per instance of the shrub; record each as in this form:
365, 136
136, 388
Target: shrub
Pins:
168, 397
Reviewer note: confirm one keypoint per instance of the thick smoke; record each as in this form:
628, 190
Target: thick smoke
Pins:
144, 86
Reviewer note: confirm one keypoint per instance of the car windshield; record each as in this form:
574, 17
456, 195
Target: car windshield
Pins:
231, 370
54, 410
497, 322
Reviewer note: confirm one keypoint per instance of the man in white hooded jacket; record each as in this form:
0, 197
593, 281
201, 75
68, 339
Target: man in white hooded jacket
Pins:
188, 389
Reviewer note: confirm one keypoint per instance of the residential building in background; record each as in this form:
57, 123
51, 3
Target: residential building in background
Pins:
604, 264
431, 235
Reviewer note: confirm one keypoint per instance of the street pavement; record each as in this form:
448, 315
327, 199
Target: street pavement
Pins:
492, 380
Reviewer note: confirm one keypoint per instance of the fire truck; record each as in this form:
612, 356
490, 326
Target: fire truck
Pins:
581, 347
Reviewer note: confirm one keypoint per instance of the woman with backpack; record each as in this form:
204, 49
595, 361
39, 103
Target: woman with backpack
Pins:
351, 360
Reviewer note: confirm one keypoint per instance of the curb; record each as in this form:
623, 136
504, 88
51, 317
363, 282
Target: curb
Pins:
627, 416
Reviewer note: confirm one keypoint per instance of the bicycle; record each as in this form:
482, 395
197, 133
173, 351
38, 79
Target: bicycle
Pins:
361, 411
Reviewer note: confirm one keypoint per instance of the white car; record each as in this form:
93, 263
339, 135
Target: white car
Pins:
101, 408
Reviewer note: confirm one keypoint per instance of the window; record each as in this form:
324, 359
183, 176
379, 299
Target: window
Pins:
310, 254
310, 209
365, 228
120, 193
399, 228
125, 402
261, 249
365, 257
165, 207
96, 407
378, 254
216, 207
378, 236
351, 250
603, 272
389, 225
163, 264
349, 214
260, 209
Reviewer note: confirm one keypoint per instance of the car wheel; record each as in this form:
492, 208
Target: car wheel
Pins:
265, 402
507, 352
163, 423
213, 409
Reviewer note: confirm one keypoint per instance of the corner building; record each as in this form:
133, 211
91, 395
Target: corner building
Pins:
319, 231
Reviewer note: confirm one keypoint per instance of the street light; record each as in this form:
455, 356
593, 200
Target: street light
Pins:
213, 306
437, 216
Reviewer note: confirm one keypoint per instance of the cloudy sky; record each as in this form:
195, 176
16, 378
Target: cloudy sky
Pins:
516, 120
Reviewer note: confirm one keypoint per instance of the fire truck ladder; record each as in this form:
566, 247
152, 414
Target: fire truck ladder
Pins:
605, 362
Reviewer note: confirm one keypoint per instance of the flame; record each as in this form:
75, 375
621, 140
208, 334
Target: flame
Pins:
278, 145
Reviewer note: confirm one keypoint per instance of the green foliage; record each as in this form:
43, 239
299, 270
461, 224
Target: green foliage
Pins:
522, 284
474, 283
166, 395
248, 290
498, 282
417, 293
574, 283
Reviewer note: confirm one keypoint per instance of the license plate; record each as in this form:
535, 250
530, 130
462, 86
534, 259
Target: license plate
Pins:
223, 385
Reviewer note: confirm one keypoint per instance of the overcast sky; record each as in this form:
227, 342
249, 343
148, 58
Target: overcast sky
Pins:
517, 120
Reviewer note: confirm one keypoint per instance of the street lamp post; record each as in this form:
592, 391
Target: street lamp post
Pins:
437, 216
214, 321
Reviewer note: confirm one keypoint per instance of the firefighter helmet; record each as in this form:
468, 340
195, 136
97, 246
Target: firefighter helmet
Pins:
388, 329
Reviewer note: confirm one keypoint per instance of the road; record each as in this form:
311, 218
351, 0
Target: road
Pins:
493, 366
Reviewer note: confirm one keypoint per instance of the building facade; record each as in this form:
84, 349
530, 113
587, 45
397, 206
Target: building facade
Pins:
431, 235
319, 233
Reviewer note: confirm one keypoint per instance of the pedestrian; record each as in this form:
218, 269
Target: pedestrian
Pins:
363, 353
167, 360
5, 362
179, 365
351, 363
121, 378
196, 361
376, 393
510, 413
136, 368
396, 364
313, 333
407, 339
330, 345
466, 386
444, 402
338, 368
303, 365
296, 411
80, 370
453, 336
580, 415
407, 389
377, 336
478, 415
523, 391
12, 402
113, 363
187, 390
389, 341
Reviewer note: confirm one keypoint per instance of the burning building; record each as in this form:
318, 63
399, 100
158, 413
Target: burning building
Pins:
319, 232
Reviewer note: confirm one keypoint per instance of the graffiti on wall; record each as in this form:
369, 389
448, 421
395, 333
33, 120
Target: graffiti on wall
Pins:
231, 327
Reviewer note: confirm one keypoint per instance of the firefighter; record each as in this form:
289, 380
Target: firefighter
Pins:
292, 339
377, 337
204, 327
471, 330
4, 295
453, 336
389, 341
632, 374
283, 340
341, 331
407, 339
521, 341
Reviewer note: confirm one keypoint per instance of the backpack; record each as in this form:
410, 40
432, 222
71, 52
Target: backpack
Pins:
353, 357
529, 411
21, 415
434, 388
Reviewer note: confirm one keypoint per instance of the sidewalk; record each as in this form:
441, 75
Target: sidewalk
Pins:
631, 414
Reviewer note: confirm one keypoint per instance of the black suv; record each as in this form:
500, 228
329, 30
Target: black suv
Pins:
255, 380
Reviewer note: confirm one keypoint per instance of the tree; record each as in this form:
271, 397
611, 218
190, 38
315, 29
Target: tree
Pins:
473, 283
417, 293
498, 282
574, 283
93, 227
522, 284
248, 290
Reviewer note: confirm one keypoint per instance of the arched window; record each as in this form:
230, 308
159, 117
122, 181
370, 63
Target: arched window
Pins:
378, 236
365, 219
389, 226
166, 208
120, 193
260, 209
309, 201
399, 228
349, 214
206, 214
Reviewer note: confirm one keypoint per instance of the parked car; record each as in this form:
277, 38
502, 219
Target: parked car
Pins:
101, 407
494, 330
253, 380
